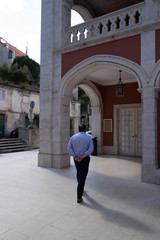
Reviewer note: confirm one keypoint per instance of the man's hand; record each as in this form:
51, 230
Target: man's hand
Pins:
79, 158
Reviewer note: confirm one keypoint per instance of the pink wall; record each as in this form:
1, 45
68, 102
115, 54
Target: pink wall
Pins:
110, 99
158, 129
128, 48
157, 45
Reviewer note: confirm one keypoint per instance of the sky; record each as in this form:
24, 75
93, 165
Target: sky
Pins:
21, 25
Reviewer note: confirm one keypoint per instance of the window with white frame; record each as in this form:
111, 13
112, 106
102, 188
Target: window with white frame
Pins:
2, 94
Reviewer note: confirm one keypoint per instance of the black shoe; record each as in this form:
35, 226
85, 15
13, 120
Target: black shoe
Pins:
79, 200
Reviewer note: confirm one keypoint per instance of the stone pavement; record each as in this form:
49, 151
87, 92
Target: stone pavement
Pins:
40, 204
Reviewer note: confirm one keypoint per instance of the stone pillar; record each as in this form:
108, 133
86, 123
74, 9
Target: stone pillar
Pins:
149, 135
148, 96
150, 11
54, 113
97, 127
148, 50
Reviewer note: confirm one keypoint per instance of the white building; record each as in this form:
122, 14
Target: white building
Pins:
14, 108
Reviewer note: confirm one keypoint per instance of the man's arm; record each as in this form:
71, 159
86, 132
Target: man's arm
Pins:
70, 149
90, 148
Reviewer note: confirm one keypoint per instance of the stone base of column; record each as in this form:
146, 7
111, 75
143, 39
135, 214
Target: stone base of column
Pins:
158, 176
148, 173
53, 161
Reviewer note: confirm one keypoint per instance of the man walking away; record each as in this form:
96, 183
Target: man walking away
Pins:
80, 148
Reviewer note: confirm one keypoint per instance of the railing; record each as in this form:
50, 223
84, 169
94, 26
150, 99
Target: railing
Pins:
106, 25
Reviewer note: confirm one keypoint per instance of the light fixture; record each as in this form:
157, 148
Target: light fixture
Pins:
120, 86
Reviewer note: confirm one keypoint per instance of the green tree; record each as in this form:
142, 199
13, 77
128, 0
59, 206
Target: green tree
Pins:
82, 96
14, 75
18, 75
33, 67
4, 71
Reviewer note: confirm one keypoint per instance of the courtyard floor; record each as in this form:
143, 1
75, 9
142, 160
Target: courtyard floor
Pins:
40, 204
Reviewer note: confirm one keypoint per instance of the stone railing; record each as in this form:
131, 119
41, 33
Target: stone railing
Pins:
109, 24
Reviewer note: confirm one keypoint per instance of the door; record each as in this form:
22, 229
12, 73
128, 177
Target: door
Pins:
2, 124
130, 131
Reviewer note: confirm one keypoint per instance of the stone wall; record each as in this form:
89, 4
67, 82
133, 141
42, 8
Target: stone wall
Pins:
30, 136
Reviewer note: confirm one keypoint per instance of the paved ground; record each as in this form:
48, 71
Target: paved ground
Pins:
40, 204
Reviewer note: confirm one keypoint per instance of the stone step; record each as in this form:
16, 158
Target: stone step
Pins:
14, 150
12, 145
3, 140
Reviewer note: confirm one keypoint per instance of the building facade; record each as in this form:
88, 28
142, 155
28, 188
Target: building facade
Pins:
117, 45
14, 108
8, 52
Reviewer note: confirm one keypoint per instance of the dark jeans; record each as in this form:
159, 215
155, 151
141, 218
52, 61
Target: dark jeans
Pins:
82, 171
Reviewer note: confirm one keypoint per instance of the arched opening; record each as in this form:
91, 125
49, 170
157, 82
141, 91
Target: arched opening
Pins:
98, 77
82, 110
76, 18
154, 78
80, 14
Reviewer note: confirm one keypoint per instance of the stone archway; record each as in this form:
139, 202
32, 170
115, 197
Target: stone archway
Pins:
96, 105
154, 77
76, 77
154, 82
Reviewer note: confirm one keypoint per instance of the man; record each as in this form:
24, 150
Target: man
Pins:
80, 148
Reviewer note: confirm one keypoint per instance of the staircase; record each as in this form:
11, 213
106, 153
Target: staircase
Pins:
8, 145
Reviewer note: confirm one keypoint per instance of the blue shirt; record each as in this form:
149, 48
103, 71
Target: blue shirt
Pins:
80, 144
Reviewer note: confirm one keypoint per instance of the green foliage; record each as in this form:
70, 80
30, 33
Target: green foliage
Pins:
14, 75
83, 97
30, 126
23, 72
4, 72
18, 75
33, 67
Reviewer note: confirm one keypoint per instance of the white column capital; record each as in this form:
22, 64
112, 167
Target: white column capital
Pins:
148, 93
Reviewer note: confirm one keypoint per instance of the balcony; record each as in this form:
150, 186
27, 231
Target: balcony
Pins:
128, 19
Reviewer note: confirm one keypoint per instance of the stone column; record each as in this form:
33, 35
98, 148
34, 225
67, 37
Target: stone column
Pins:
54, 114
150, 11
148, 96
149, 135
97, 126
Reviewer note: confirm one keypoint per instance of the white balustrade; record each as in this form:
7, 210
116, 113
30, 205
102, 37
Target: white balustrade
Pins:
106, 25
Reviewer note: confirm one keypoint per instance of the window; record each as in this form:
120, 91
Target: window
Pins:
35, 122
10, 54
2, 94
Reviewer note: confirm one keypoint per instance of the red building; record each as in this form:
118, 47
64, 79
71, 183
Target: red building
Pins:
10, 54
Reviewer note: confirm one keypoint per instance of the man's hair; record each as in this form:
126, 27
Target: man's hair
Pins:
82, 127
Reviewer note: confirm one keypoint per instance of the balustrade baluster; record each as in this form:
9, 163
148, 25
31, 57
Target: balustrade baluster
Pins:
104, 23
113, 26
96, 29
75, 36
89, 33
81, 35
132, 19
122, 21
